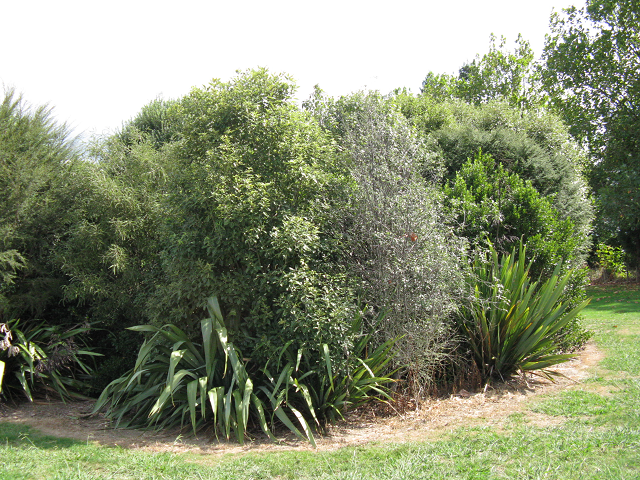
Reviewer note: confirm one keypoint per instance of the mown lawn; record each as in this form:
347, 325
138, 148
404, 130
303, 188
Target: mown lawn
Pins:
598, 436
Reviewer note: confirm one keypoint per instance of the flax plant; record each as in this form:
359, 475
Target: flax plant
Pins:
176, 382
510, 323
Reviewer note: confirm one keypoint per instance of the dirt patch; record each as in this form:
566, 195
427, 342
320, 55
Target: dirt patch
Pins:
427, 420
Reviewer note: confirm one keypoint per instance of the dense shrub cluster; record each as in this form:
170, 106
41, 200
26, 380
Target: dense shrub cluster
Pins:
335, 237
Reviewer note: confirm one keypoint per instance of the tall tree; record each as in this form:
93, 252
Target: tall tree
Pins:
397, 243
38, 188
498, 74
534, 144
591, 71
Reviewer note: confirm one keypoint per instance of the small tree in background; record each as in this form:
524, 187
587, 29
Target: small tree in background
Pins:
499, 74
491, 203
590, 71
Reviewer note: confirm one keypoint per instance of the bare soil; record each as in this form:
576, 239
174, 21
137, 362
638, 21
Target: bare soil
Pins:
427, 420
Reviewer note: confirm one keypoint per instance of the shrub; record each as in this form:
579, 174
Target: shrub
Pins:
176, 380
39, 186
326, 390
491, 202
395, 240
611, 259
42, 359
250, 187
510, 323
534, 144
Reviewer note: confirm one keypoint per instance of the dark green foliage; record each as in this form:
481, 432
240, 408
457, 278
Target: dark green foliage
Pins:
37, 195
617, 183
590, 71
36, 360
491, 203
535, 146
176, 381
511, 322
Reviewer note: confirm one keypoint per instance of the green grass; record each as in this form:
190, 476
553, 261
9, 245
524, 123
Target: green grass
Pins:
596, 434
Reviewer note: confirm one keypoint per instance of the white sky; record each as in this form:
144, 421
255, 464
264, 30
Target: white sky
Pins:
98, 62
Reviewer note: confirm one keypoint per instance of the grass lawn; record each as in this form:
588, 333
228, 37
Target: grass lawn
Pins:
597, 435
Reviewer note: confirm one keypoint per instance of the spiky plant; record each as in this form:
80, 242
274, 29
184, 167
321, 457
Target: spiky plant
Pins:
511, 321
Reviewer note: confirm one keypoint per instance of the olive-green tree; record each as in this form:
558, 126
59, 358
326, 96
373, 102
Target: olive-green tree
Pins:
396, 241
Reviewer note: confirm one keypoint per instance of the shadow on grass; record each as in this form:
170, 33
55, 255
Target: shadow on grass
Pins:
23, 436
614, 298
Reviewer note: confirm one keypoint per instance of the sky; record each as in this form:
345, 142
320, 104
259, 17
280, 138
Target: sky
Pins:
97, 63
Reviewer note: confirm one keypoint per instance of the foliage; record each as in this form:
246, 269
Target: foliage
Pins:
617, 183
10, 262
155, 121
511, 322
38, 188
176, 380
109, 255
324, 390
492, 203
395, 240
611, 259
534, 145
42, 359
590, 70
497, 75
591, 66
212, 382
250, 188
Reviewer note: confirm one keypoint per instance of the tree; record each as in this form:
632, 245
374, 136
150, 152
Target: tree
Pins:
591, 72
38, 191
252, 182
156, 121
498, 74
535, 145
591, 63
396, 241
494, 204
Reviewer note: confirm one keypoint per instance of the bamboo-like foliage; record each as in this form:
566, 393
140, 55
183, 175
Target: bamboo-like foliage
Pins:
511, 321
